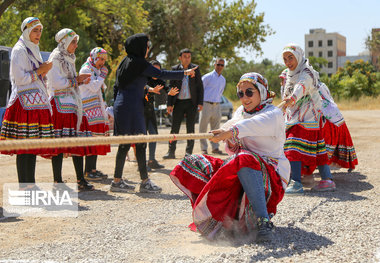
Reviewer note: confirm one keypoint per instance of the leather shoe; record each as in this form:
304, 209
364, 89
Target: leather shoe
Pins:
204, 152
169, 155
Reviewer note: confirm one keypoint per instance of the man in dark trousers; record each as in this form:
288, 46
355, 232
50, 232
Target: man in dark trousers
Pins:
187, 102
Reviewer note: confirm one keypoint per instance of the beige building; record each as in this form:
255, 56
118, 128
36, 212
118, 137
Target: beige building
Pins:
329, 46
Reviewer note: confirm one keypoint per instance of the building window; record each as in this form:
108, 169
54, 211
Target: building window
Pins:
319, 43
329, 53
329, 75
320, 54
329, 43
330, 65
310, 54
310, 43
320, 66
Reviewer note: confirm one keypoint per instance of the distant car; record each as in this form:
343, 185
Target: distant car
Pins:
226, 107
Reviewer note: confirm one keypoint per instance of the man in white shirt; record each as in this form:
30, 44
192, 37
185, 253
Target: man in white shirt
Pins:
213, 84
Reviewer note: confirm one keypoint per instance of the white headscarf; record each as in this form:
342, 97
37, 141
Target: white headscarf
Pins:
303, 64
26, 27
67, 63
67, 60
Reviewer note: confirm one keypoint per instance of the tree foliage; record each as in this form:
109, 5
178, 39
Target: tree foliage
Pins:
98, 23
210, 28
234, 71
354, 80
317, 62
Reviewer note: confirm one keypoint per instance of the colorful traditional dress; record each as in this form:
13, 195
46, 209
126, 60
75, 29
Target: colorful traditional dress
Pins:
218, 200
304, 135
68, 116
339, 145
28, 114
92, 98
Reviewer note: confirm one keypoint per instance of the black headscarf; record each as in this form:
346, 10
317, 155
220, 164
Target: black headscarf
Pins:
134, 63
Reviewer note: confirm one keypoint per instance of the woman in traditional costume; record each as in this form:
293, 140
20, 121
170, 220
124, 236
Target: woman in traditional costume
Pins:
28, 114
68, 116
339, 145
305, 146
95, 108
243, 191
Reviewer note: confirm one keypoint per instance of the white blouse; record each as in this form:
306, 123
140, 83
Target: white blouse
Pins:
307, 108
27, 86
91, 94
264, 134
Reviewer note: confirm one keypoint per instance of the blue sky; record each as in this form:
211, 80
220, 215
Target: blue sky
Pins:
292, 19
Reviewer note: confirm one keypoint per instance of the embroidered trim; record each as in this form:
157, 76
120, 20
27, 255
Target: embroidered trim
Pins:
34, 75
235, 134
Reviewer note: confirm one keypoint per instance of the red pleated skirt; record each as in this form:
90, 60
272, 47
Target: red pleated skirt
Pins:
101, 129
339, 145
65, 126
19, 124
217, 197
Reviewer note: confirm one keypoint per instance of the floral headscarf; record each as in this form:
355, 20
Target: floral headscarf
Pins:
95, 54
260, 83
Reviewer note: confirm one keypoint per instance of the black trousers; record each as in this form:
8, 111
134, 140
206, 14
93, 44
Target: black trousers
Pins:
181, 109
26, 168
140, 156
56, 162
90, 163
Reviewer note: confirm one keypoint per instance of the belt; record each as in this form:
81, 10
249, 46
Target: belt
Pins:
212, 103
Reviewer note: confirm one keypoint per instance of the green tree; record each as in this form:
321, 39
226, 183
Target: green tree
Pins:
317, 63
354, 80
210, 28
105, 24
235, 70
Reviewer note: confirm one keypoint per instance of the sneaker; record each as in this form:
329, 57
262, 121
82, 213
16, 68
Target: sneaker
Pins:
102, 175
121, 187
204, 152
264, 230
294, 187
153, 164
169, 155
83, 185
324, 186
149, 187
61, 186
92, 176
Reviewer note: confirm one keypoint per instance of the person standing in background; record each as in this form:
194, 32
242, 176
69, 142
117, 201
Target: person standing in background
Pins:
187, 102
94, 107
213, 84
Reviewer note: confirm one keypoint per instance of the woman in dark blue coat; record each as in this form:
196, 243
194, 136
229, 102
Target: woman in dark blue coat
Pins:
131, 78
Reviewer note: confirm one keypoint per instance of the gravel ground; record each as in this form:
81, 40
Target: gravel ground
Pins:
342, 226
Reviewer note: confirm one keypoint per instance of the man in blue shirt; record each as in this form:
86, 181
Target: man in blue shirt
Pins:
213, 84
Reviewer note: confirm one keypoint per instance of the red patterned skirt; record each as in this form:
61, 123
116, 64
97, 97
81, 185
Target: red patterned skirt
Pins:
65, 126
101, 129
217, 197
339, 145
19, 124
307, 146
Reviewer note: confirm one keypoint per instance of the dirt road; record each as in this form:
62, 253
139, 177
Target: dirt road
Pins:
342, 226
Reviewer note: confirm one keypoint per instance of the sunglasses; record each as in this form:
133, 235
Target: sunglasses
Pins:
220, 65
248, 92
